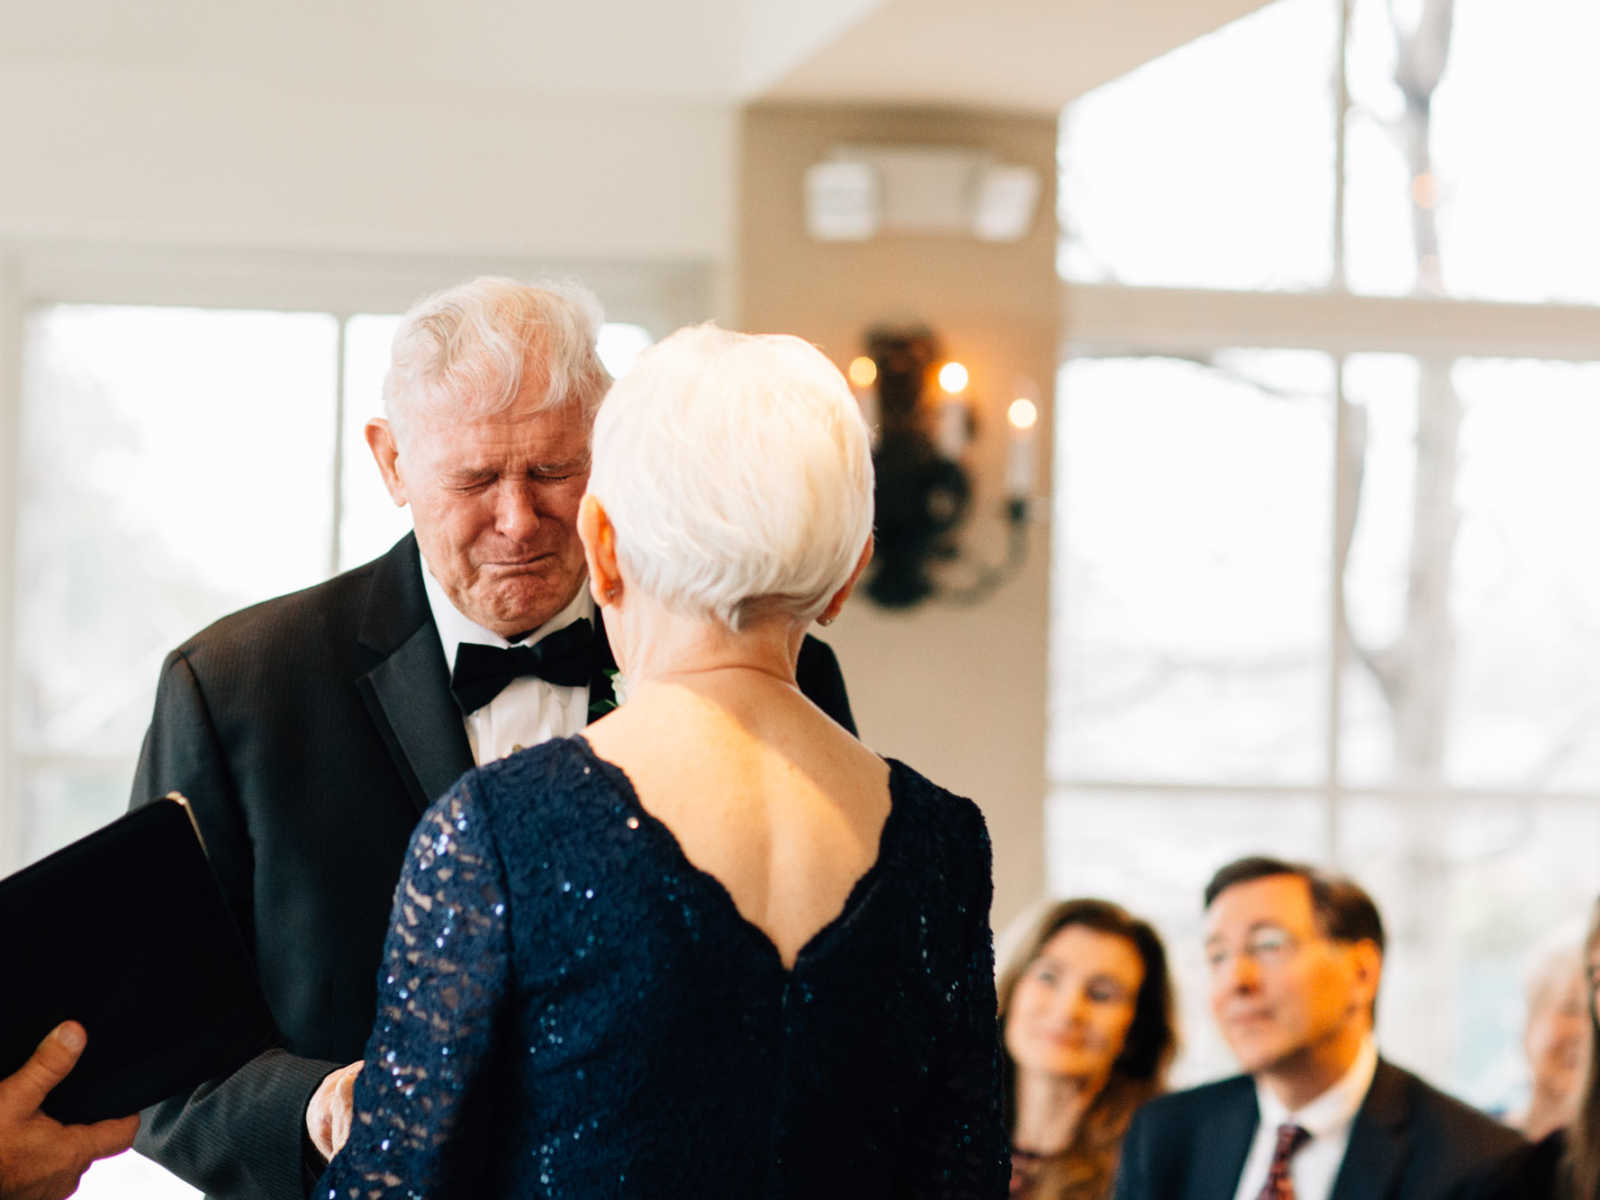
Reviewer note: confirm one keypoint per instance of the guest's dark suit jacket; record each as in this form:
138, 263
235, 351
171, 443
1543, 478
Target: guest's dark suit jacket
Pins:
310, 733
1536, 1172
1409, 1142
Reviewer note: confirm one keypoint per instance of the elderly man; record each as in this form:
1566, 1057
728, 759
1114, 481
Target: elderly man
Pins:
1295, 958
1555, 1039
310, 732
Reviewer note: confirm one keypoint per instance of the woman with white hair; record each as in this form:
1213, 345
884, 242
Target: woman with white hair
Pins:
713, 947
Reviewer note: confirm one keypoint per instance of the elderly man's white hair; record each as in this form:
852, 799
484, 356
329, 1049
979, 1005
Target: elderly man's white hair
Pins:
469, 347
737, 471
1551, 963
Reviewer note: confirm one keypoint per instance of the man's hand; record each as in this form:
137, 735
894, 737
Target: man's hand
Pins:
42, 1159
329, 1113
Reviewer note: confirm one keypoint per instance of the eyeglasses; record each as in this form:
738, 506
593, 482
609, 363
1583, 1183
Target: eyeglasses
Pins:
1266, 946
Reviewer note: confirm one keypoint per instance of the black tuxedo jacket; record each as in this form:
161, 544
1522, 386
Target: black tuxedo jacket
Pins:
310, 733
1409, 1142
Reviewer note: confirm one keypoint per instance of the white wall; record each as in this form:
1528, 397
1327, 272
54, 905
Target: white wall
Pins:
191, 158
957, 692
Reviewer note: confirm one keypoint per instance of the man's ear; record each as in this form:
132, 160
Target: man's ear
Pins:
381, 441
1368, 960
843, 594
599, 539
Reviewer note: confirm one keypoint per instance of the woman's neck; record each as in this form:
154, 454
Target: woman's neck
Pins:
656, 645
1049, 1110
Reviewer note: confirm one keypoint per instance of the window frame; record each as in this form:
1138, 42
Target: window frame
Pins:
36, 274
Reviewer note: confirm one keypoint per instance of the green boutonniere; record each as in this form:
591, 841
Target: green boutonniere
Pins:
603, 699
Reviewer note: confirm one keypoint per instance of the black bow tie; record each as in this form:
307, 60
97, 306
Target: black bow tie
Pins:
565, 658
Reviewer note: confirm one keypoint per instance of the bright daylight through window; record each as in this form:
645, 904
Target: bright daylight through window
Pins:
135, 467
1320, 577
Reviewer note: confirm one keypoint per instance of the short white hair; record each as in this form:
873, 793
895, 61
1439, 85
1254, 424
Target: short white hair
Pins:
467, 349
737, 471
1553, 963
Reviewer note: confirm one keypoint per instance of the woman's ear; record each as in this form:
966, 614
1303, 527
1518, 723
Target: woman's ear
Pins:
843, 594
599, 539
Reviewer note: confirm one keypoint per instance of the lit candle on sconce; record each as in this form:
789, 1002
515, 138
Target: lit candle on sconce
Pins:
863, 376
1022, 416
952, 429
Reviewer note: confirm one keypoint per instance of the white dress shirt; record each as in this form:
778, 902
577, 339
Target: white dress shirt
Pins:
529, 710
1327, 1119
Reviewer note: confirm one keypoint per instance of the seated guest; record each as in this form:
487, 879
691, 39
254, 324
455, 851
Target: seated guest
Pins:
714, 946
1554, 1039
1295, 958
1565, 1165
41, 1159
1087, 1032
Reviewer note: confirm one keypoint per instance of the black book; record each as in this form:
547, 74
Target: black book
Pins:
127, 933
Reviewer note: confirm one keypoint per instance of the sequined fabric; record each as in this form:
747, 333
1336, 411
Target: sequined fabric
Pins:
569, 1008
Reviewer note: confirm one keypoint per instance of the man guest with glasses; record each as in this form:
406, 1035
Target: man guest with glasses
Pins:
1295, 957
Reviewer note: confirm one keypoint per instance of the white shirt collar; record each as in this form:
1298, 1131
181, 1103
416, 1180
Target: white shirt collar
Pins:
456, 627
1334, 1110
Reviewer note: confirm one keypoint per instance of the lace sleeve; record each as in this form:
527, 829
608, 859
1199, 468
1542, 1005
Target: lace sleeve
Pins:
441, 985
963, 1140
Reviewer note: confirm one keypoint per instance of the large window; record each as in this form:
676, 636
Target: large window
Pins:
176, 464
1321, 578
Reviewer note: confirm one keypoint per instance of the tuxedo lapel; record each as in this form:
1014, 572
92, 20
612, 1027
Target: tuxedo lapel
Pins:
1223, 1143
1378, 1140
407, 690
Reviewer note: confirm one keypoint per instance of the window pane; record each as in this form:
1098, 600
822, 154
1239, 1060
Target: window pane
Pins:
370, 522
1513, 190
1168, 178
1495, 686
619, 344
1153, 853
62, 801
132, 1176
1190, 569
1469, 889
175, 466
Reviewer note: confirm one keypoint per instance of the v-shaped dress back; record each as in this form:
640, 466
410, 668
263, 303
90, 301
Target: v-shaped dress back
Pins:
569, 1008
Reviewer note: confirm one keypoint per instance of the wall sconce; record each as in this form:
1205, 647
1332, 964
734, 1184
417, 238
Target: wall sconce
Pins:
923, 414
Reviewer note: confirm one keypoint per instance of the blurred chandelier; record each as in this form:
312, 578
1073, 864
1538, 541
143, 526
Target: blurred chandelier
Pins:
924, 423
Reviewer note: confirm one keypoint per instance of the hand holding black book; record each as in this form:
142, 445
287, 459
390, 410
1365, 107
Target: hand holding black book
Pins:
126, 932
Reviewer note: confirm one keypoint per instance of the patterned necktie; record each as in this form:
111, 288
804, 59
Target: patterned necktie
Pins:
1279, 1186
565, 657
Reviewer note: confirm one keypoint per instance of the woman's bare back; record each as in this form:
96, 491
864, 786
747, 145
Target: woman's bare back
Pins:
761, 790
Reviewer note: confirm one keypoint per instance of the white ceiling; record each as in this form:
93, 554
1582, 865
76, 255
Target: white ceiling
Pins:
1017, 55
1020, 55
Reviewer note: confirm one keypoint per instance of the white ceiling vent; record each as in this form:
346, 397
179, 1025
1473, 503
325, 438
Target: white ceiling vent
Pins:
844, 201
860, 191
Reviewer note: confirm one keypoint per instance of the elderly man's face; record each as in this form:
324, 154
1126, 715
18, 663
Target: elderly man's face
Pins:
494, 500
1556, 1036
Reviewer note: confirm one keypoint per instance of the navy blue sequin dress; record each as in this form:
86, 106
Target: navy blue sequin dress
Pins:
568, 1008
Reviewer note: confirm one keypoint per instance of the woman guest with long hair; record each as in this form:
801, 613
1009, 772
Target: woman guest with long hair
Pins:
1086, 1016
